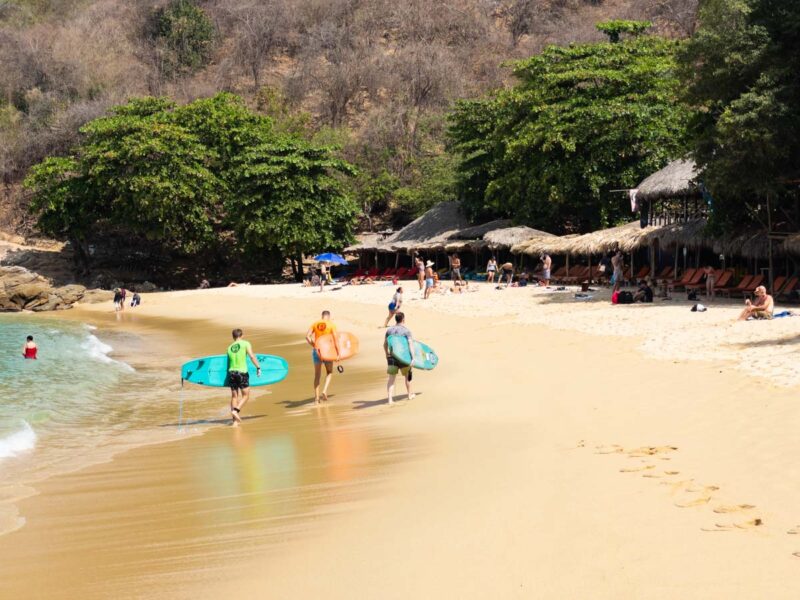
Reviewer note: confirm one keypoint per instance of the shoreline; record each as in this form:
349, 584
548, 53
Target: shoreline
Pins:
532, 458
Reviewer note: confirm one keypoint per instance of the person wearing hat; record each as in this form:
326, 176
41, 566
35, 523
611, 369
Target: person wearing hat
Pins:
428, 278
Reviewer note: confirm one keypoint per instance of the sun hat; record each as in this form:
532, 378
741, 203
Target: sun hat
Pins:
429, 263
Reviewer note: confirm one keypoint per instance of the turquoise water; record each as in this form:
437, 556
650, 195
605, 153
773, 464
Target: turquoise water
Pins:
70, 400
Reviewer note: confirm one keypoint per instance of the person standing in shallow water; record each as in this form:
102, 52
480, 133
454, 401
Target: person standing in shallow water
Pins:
238, 377
30, 350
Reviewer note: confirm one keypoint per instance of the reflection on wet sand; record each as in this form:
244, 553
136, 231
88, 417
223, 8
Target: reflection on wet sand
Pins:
178, 513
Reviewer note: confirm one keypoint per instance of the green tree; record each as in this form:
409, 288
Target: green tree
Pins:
143, 175
188, 177
184, 37
741, 71
580, 121
290, 197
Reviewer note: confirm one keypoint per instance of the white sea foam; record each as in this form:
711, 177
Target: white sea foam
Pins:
20, 441
100, 351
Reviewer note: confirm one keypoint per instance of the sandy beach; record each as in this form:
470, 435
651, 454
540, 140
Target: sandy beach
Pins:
561, 449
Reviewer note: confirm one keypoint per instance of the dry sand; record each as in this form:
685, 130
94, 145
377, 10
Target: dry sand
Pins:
537, 461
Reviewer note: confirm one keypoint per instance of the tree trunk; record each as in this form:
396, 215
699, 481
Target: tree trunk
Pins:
299, 273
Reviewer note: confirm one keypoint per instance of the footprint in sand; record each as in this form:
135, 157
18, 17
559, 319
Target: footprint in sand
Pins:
733, 508
694, 495
613, 449
751, 524
651, 451
794, 530
637, 469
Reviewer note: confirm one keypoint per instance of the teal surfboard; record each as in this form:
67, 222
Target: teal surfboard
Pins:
424, 356
213, 370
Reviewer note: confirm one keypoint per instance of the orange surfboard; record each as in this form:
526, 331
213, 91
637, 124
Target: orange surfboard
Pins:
348, 346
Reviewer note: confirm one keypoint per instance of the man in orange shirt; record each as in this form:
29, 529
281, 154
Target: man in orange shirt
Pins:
319, 328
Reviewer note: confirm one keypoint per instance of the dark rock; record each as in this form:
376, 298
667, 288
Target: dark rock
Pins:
21, 289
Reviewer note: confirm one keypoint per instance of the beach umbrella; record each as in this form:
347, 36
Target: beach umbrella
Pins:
330, 257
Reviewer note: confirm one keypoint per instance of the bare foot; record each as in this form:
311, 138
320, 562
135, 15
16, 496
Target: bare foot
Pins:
324, 397
412, 396
235, 416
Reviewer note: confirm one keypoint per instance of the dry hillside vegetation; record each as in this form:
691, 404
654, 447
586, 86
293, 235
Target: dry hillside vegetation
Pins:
373, 76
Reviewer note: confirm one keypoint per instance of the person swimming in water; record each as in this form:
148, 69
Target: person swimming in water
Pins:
238, 377
30, 350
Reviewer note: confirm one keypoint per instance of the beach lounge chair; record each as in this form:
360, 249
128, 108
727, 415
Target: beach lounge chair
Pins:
684, 279
724, 282
577, 274
559, 274
745, 288
373, 273
701, 285
789, 287
666, 273
695, 277
358, 273
389, 274
777, 285
742, 285
641, 274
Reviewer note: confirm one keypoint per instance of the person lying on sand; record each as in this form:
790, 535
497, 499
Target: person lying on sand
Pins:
238, 377
761, 308
234, 284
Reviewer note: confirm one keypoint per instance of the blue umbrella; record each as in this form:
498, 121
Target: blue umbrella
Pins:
330, 257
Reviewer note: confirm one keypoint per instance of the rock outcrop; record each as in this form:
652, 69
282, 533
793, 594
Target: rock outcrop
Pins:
21, 289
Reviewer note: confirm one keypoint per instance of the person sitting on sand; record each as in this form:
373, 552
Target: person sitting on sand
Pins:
394, 305
644, 293
522, 280
393, 367
30, 350
318, 329
136, 300
761, 308
238, 377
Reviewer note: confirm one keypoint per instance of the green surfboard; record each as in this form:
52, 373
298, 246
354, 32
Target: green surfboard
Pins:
424, 356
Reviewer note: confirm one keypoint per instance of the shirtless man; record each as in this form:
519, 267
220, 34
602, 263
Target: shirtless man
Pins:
455, 268
547, 262
238, 377
761, 308
508, 274
617, 262
318, 329
428, 279
710, 282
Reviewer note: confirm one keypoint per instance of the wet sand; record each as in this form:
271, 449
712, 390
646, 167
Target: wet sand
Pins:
534, 463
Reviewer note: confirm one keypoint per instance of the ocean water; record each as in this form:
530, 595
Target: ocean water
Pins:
75, 398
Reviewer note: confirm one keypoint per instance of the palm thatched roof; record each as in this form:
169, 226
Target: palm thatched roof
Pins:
477, 232
792, 244
366, 242
690, 233
511, 236
751, 244
540, 244
673, 181
430, 231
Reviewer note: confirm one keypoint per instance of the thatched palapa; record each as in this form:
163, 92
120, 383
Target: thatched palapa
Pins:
430, 231
367, 242
511, 236
673, 181
477, 232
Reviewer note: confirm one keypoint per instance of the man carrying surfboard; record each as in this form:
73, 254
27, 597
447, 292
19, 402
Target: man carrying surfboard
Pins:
393, 367
238, 377
318, 329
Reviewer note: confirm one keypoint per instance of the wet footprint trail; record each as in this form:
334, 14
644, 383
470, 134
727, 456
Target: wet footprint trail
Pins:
686, 493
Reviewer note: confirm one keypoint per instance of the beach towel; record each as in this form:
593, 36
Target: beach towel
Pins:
783, 313
699, 308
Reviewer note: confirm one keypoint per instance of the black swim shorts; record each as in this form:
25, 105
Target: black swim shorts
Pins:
238, 380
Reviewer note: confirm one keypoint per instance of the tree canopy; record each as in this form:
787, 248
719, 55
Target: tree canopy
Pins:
741, 69
189, 177
581, 120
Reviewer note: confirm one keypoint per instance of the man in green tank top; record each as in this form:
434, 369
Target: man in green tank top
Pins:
238, 377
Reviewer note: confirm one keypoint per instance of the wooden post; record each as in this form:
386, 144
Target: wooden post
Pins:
770, 277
